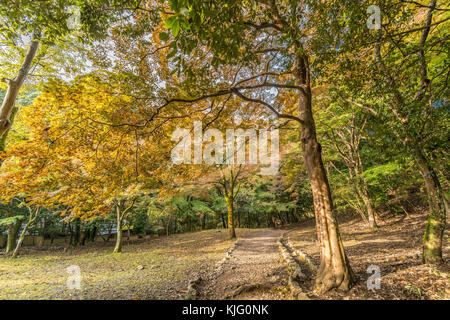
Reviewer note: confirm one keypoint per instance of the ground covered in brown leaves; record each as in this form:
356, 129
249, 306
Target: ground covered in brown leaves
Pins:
253, 270
157, 268
395, 248
160, 268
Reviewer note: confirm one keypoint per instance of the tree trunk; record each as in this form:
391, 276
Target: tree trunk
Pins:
168, 224
434, 231
364, 190
77, 232
370, 210
33, 216
334, 270
231, 231
19, 243
118, 247
14, 86
224, 224
5, 135
84, 236
109, 233
13, 232
93, 234
203, 219
239, 217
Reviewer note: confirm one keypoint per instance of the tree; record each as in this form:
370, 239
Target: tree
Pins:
230, 188
122, 211
263, 44
48, 24
33, 214
403, 82
73, 158
344, 132
12, 219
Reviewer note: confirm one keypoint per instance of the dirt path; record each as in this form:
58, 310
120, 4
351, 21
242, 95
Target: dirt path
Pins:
254, 270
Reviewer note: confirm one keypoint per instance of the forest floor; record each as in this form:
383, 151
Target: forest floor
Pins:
254, 270
157, 268
249, 268
395, 248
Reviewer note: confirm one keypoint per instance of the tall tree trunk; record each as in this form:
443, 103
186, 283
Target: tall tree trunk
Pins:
362, 192
93, 234
33, 216
434, 231
110, 235
13, 232
203, 221
334, 270
77, 232
231, 231
83, 237
364, 189
224, 224
5, 135
118, 247
14, 86
370, 209
239, 217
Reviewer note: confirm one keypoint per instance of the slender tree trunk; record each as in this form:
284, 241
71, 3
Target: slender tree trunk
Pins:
93, 234
110, 235
434, 231
203, 219
334, 270
13, 232
239, 217
71, 239
84, 236
118, 247
231, 231
5, 135
296, 214
370, 210
30, 221
14, 86
77, 232
224, 224
364, 189
19, 243
168, 224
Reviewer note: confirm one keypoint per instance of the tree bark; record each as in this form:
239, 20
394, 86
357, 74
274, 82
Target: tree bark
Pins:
121, 214
13, 232
364, 189
5, 135
434, 231
203, 221
33, 216
224, 224
14, 86
77, 232
231, 231
118, 247
334, 270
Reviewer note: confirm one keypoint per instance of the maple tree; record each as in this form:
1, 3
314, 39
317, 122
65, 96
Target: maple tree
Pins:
138, 141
